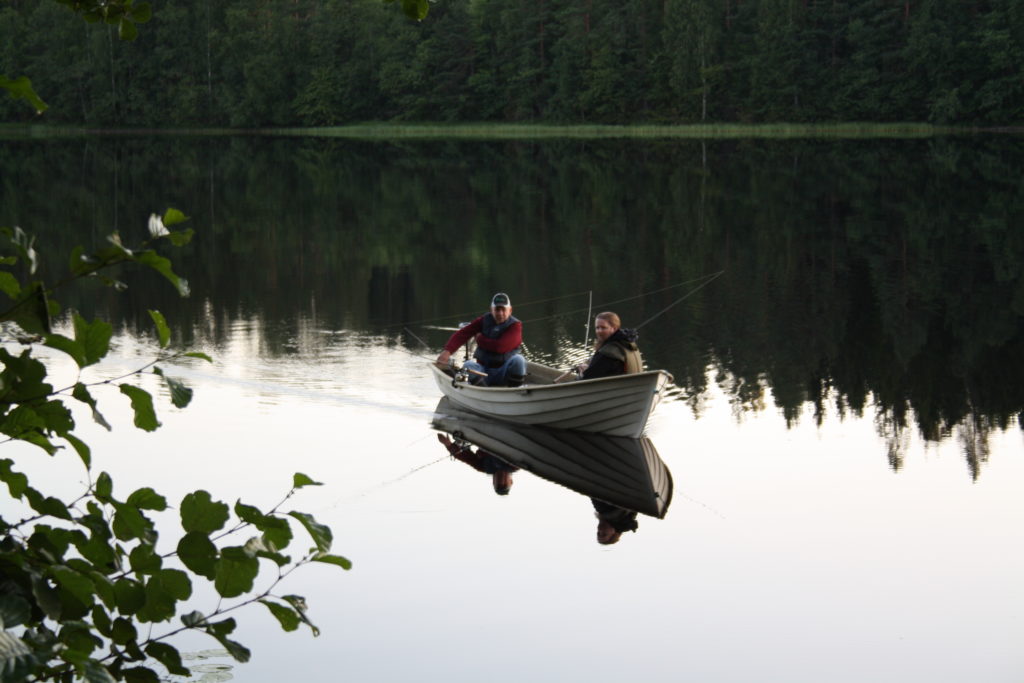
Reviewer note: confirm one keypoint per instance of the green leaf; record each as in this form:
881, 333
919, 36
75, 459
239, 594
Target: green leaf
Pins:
129, 523
81, 448
32, 310
81, 393
49, 505
276, 531
220, 630
285, 615
123, 631
257, 547
320, 533
17, 483
299, 480
68, 346
181, 395
21, 89
337, 560
56, 416
95, 672
299, 604
147, 499
163, 266
9, 284
47, 597
102, 621
140, 674
126, 30
144, 560
182, 237
163, 591
416, 9
14, 611
200, 513
104, 488
76, 584
79, 639
193, 619
235, 572
173, 216
78, 262
163, 331
130, 595
94, 337
141, 13
198, 553
198, 354
104, 589
142, 404
169, 657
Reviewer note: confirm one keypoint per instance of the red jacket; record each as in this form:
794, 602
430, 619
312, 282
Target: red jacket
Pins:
511, 338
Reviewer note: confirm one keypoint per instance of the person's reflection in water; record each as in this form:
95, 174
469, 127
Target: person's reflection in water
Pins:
612, 521
482, 461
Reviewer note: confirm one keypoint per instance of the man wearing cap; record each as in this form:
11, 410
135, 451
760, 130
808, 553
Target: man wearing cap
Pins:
499, 337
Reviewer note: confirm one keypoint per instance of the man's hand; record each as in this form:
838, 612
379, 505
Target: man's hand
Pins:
444, 358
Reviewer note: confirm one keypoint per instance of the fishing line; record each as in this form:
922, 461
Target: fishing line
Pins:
682, 298
708, 279
390, 482
416, 337
383, 484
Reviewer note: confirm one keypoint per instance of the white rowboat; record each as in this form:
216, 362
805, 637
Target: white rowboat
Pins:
616, 406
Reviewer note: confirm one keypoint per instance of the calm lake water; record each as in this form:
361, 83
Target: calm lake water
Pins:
844, 434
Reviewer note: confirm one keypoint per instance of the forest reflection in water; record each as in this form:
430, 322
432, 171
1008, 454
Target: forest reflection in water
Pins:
879, 279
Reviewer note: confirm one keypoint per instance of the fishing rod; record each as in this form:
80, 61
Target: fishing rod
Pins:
590, 308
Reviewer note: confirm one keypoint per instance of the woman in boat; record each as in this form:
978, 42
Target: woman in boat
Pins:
615, 349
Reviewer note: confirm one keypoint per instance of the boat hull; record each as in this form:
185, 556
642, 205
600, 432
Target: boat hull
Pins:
615, 406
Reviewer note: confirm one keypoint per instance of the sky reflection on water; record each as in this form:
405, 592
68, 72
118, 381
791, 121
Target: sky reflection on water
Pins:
790, 552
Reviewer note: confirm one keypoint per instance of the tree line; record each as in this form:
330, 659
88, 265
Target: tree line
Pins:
330, 62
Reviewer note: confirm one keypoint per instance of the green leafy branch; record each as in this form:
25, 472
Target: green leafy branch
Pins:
80, 589
81, 579
30, 408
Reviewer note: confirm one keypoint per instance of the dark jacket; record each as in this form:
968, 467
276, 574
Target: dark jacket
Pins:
619, 355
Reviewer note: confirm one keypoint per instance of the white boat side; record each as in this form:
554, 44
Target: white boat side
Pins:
616, 406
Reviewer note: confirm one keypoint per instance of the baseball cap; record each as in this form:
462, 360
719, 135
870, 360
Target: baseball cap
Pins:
500, 299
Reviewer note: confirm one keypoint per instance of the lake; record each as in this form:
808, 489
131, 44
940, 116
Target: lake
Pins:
843, 320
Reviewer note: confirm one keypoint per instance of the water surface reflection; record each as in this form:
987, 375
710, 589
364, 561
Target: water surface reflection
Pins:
620, 476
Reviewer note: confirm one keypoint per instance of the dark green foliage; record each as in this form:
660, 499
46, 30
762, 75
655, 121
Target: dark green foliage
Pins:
331, 62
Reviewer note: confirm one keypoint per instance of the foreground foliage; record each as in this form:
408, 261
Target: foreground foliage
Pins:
83, 582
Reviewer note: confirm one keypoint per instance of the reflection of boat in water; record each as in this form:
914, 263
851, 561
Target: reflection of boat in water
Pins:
624, 472
617, 406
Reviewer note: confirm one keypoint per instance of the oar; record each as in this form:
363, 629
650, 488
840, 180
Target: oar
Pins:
563, 376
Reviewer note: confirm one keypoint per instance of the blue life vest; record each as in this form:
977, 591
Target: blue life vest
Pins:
492, 330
